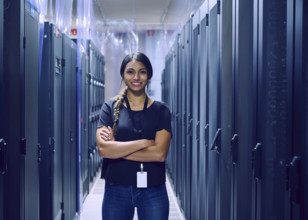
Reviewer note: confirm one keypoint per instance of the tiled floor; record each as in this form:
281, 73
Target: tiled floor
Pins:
91, 209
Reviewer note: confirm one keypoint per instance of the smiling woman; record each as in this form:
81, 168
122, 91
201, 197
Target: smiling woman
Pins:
133, 137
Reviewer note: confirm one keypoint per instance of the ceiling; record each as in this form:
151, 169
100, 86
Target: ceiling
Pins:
146, 13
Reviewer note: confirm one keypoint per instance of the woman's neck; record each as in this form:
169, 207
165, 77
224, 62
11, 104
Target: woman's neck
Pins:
136, 98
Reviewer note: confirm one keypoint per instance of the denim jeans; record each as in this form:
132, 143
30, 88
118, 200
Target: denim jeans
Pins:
120, 201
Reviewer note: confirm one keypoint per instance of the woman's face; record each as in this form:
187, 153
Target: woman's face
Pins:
135, 76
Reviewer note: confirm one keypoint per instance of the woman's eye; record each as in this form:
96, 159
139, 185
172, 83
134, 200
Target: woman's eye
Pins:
129, 72
144, 72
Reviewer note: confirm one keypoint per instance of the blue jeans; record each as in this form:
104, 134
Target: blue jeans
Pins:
120, 201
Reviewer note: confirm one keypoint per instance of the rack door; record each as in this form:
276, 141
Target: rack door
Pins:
243, 110
32, 157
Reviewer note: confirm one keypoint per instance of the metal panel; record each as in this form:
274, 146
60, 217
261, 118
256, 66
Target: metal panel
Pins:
204, 142
73, 117
84, 126
56, 119
69, 127
2, 101
181, 123
272, 127
187, 104
225, 117
212, 171
298, 70
225, 65
66, 124
244, 111
45, 139
50, 114
196, 118
12, 117
31, 113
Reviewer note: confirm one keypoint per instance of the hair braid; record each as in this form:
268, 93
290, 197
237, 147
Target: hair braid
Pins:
117, 106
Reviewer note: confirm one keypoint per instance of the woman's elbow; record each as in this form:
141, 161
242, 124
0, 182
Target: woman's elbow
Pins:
102, 150
162, 157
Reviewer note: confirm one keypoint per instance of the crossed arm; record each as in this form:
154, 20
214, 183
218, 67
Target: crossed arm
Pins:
140, 150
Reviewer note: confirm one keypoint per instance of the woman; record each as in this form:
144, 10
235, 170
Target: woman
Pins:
133, 137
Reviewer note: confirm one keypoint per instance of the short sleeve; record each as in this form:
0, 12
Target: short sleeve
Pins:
165, 119
106, 118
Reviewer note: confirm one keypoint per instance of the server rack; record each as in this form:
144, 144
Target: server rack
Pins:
272, 143
12, 131
2, 100
187, 112
32, 153
243, 109
253, 105
50, 124
214, 112
297, 70
69, 142
204, 120
195, 116
85, 175
93, 92
96, 99
225, 112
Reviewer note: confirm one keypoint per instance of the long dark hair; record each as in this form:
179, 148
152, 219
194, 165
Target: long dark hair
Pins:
120, 98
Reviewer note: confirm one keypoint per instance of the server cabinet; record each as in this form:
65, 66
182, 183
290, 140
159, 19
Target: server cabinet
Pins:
32, 157
12, 129
187, 114
180, 175
96, 68
243, 109
85, 175
195, 116
50, 124
74, 136
69, 143
93, 110
214, 112
272, 147
2, 101
204, 119
297, 70
225, 113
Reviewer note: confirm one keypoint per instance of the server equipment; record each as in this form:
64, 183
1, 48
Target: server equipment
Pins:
2, 141
96, 100
50, 124
85, 81
12, 130
30, 142
238, 99
92, 90
69, 125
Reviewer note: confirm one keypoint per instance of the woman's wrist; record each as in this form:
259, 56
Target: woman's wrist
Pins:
148, 143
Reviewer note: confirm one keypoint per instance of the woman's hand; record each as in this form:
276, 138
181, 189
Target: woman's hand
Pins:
106, 134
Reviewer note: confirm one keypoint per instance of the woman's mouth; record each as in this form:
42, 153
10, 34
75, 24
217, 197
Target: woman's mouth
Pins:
136, 84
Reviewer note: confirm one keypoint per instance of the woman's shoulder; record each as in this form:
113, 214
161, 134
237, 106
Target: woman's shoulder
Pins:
108, 105
161, 105
110, 102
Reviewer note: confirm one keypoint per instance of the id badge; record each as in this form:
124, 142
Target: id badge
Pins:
142, 178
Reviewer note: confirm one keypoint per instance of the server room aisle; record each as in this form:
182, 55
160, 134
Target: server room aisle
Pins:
91, 208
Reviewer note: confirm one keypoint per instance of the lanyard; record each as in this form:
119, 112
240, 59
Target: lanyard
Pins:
131, 113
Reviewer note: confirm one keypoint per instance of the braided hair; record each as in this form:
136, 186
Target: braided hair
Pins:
117, 107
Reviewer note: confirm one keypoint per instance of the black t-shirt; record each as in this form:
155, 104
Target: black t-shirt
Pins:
155, 118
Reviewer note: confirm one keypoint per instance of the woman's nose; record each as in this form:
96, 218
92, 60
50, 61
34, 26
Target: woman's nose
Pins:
136, 76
